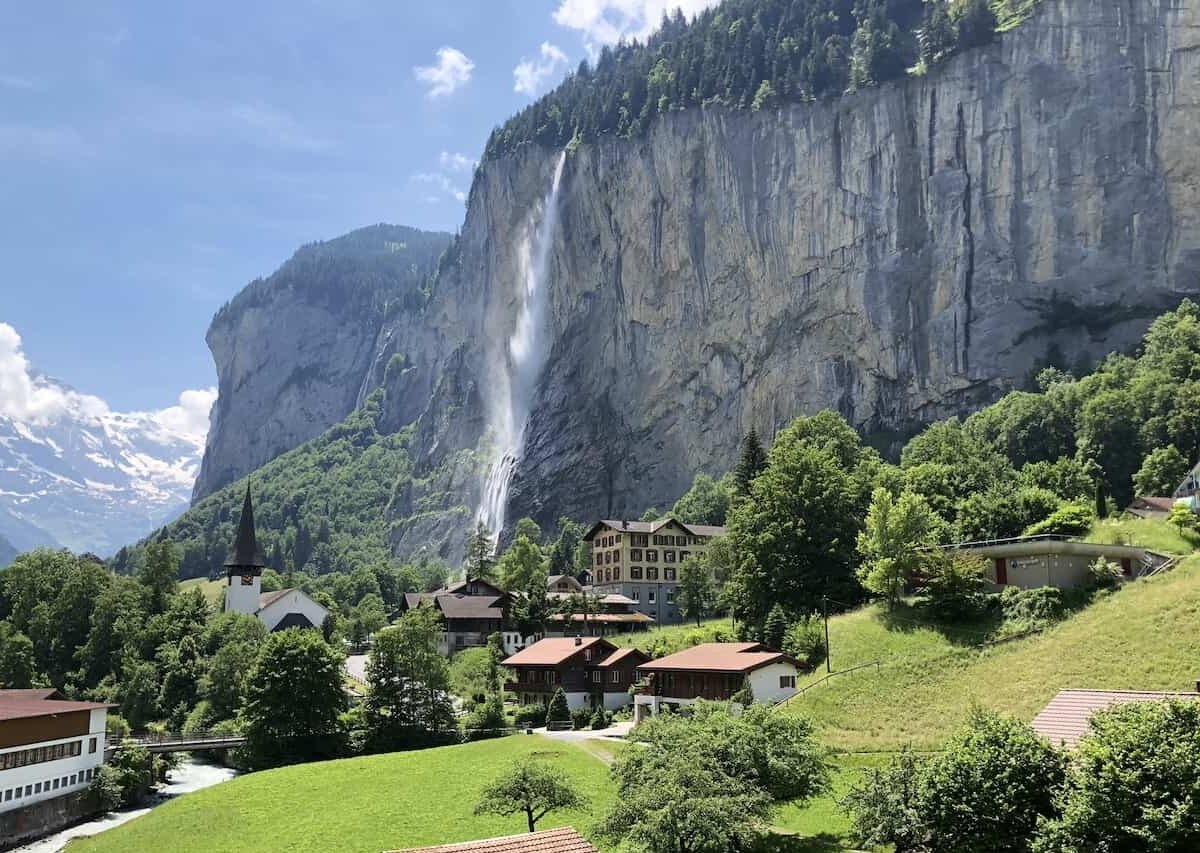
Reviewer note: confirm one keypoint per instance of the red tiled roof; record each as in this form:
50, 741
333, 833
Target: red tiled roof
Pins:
21, 707
621, 655
554, 650
719, 657
562, 840
1065, 720
634, 617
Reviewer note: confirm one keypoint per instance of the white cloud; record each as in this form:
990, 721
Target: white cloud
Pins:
28, 398
442, 182
450, 73
608, 21
190, 415
455, 162
530, 74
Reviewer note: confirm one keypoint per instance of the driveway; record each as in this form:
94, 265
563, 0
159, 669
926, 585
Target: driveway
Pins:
617, 731
356, 667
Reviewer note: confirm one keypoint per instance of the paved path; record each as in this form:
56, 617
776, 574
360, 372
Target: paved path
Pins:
617, 731
356, 666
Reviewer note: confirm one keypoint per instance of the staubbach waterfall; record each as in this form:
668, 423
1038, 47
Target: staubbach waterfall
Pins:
524, 358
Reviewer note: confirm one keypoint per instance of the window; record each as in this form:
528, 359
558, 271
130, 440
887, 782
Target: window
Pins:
37, 788
787, 681
650, 597
74, 778
618, 537
7, 795
615, 678
636, 594
684, 556
651, 556
670, 596
651, 573
597, 675
668, 556
617, 573
635, 572
55, 786
640, 539
668, 574
635, 553
549, 676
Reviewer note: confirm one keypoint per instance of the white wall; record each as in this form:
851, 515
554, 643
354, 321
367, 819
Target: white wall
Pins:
47, 772
294, 602
239, 598
765, 682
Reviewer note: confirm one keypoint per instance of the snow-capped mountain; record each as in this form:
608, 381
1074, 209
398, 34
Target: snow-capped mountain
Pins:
75, 474
93, 481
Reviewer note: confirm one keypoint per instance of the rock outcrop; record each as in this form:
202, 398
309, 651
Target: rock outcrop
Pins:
900, 254
297, 352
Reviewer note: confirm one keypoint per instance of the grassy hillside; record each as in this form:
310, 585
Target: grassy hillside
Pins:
382, 802
1148, 533
214, 591
1143, 637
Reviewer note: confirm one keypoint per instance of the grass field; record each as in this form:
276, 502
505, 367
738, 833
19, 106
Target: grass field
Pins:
214, 591
1148, 533
1143, 637
381, 802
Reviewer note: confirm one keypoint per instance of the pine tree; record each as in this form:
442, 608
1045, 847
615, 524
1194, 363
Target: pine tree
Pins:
775, 628
558, 711
750, 465
1101, 503
480, 561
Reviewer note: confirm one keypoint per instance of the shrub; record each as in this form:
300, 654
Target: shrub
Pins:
1067, 520
1132, 785
1033, 605
745, 696
805, 641
580, 718
954, 588
601, 719
486, 721
882, 807
117, 728
1104, 574
526, 715
558, 711
104, 793
200, 717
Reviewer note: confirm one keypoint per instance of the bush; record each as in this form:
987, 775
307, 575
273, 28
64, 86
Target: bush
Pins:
486, 721
882, 807
200, 718
1033, 605
558, 711
1104, 574
601, 719
580, 718
1067, 520
1132, 785
104, 793
805, 641
744, 697
117, 728
527, 715
954, 588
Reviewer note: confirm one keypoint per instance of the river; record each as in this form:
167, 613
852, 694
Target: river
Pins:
189, 776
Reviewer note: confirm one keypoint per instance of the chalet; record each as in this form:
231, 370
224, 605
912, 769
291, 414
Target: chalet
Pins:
278, 610
641, 559
561, 840
1151, 507
1058, 561
1065, 720
596, 615
590, 670
714, 671
50, 750
471, 611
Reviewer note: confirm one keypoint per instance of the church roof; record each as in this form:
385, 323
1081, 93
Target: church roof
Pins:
245, 546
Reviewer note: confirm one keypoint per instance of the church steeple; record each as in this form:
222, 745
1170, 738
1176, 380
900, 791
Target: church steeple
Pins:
245, 559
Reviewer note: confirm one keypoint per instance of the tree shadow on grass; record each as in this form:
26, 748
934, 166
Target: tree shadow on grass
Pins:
907, 618
779, 842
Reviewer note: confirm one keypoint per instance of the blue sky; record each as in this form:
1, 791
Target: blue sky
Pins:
155, 157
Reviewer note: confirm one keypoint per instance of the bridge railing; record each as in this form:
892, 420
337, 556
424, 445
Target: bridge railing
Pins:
165, 738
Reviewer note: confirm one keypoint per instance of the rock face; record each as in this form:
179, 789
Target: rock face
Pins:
296, 352
900, 254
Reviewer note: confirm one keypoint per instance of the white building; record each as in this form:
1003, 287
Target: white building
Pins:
49, 747
279, 610
715, 671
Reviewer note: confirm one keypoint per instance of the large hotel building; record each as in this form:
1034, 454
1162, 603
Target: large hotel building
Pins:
640, 560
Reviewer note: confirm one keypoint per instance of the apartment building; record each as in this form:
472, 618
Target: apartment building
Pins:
641, 560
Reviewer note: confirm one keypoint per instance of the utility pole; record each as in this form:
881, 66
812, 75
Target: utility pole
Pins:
825, 614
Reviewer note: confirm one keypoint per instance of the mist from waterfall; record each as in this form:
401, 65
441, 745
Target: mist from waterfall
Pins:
524, 357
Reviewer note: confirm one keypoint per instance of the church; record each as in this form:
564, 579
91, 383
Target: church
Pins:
279, 610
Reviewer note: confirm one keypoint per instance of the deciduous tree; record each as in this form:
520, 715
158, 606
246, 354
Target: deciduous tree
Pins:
531, 788
409, 680
891, 544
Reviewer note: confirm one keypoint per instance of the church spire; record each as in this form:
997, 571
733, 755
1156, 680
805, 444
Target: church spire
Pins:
245, 546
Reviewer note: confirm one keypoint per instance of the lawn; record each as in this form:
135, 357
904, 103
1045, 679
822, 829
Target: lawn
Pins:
214, 591
1144, 532
1142, 637
821, 823
381, 802
673, 638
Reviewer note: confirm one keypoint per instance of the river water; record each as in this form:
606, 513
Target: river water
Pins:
189, 776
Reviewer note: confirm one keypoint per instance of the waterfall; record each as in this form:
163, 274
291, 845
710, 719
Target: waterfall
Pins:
524, 358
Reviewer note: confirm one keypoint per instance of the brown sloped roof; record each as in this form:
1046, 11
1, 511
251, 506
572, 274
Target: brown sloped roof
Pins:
268, 598
554, 650
622, 656
30, 704
30, 693
653, 527
470, 606
562, 840
1065, 720
719, 657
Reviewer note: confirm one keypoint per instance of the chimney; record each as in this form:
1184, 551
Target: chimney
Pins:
579, 642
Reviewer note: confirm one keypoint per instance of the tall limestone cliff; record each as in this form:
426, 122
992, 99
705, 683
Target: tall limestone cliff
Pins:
900, 254
298, 351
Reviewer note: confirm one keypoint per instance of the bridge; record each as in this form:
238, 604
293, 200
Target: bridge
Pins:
165, 742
